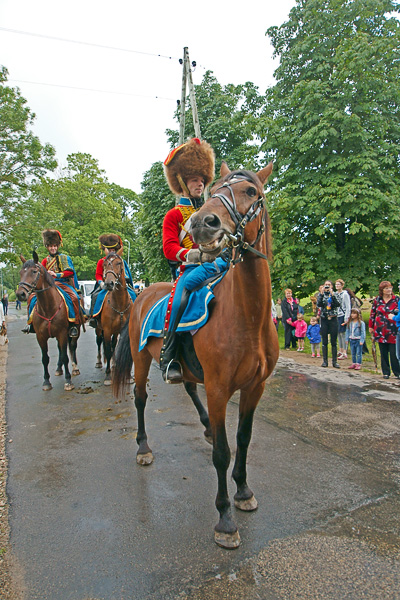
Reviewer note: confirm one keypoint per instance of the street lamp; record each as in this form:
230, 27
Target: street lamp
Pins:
129, 251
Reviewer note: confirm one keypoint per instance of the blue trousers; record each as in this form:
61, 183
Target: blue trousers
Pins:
356, 351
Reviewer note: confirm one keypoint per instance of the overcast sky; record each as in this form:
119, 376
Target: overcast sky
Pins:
127, 91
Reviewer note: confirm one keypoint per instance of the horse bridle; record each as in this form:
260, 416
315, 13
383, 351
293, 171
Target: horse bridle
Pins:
31, 287
258, 207
117, 277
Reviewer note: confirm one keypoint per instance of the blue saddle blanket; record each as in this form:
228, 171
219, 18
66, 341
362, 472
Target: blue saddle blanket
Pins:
102, 296
196, 311
65, 296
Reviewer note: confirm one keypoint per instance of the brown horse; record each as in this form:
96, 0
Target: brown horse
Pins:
50, 319
237, 347
115, 311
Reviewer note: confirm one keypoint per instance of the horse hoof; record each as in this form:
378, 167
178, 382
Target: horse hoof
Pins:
98, 365
230, 541
58, 372
107, 382
144, 459
68, 387
75, 372
47, 387
247, 505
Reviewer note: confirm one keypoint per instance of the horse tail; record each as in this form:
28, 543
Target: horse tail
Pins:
123, 363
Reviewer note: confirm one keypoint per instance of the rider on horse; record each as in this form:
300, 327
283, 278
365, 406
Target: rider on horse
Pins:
109, 242
61, 267
188, 169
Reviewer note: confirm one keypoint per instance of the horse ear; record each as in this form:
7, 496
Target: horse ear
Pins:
224, 169
265, 173
22, 259
35, 256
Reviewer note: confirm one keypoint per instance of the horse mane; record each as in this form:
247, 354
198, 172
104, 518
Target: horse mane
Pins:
252, 178
47, 278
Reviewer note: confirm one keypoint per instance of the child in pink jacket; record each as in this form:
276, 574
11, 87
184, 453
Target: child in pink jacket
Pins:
300, 330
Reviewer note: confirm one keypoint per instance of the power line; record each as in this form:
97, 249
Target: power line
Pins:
70, 87
58, 39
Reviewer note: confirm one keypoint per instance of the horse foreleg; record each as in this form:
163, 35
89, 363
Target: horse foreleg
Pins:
45, 361
99, 341
225, 532
191, 389
72, 345
244, 498
63, 359
108, 350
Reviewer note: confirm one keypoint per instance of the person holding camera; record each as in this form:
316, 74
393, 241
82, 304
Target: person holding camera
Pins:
328, 303
383, 328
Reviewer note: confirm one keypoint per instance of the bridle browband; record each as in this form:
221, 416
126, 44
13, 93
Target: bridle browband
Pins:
116, 275
236, 240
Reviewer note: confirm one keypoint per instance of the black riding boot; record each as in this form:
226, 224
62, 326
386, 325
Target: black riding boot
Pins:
335, 363
170, 367
324, 356
92, 319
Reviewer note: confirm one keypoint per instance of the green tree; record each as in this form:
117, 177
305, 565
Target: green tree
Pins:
332, 122
155, 200
23, 158
81, 204
227, 116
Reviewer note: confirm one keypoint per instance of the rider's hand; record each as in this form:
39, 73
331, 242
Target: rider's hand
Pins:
52, 273
102, 285
193, 256
204, 257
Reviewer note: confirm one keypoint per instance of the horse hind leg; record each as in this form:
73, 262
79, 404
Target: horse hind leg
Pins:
108, 354
191, 389
63, 357
73, 344
144, 454
99, 340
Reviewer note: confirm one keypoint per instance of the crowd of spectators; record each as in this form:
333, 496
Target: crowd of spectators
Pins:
337, 322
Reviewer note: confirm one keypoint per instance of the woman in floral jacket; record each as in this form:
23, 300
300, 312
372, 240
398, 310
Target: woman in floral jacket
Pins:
383, 329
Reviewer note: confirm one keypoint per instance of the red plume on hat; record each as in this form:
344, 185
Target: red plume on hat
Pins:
193, 159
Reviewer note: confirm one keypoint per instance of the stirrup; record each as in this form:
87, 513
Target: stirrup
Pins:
26, 329
93, 322
173, 373
73, 331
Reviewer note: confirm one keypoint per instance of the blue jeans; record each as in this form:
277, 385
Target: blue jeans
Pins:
398, 346
356, 351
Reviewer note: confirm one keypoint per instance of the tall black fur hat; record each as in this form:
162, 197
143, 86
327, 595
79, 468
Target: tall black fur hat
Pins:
51, 237
195, 158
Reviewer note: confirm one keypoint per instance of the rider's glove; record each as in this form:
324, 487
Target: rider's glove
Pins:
193, 256
102, 285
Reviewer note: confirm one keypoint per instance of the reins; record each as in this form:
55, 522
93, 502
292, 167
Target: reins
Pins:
118, 283
236, 240
31, 287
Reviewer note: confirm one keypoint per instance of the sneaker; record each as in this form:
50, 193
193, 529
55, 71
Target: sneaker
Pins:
340, 354
357, 367
318, 356
344, 355
353, 366
298, 349
313, 355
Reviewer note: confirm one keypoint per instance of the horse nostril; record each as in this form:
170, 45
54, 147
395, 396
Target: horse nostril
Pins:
212, 221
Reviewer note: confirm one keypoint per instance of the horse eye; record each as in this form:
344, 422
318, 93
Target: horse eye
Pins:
251, 192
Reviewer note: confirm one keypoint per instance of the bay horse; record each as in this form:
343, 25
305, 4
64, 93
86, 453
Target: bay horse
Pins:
237, 347
115, 311
49, 320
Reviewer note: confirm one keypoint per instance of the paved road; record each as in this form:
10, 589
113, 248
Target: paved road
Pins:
88, 523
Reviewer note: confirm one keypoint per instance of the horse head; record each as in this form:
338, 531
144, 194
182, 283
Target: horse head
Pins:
230, 215
32, 276
113, 271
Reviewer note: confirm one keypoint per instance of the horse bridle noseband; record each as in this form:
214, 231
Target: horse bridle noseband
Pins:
118, 282
237, 239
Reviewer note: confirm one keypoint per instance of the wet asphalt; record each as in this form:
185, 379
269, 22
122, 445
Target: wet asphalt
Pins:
88, 523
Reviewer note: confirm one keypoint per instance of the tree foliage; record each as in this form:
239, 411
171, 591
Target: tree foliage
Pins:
332, 122
23, 159
81, 204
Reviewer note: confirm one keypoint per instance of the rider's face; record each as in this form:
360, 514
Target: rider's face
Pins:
53, 249
195, 186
